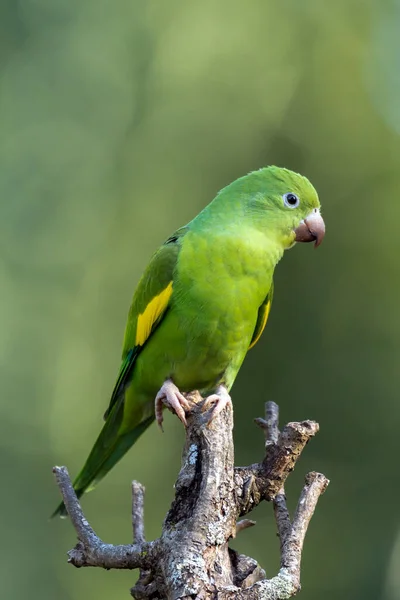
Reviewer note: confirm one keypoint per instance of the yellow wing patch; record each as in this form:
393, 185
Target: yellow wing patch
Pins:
152, 312
262, 324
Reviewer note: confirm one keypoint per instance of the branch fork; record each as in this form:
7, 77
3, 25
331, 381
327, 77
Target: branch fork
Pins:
192, 559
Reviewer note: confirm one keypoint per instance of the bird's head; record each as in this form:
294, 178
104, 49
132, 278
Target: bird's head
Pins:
284, 204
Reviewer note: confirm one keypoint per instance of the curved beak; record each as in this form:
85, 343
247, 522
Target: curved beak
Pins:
311, 229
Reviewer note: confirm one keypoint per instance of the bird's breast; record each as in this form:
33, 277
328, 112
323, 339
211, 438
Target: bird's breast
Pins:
227, 271
219, 286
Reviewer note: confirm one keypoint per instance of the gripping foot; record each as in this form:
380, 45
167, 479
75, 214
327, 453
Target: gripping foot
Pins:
170, 396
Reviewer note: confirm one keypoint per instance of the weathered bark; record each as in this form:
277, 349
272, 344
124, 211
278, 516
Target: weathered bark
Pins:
192, 558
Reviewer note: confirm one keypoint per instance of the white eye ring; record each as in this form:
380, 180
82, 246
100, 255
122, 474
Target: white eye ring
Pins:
291, 200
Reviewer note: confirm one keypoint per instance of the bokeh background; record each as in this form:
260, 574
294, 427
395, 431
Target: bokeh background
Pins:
119, 121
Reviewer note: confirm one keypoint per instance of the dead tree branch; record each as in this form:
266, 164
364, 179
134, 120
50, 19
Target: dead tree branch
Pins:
192, 559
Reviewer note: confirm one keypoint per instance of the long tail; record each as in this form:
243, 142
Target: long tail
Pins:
106, 452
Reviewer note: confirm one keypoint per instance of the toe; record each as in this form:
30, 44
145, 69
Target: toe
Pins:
175, 406
213, 399
220, 399
158, 410
170, 396
182, 400
219, 407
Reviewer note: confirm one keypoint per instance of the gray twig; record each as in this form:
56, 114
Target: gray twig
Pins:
84, 531
282, 517
270, 424
263, 481
292, 536
315, 485
138, 512
244, 524
192, 557
272, 418
90, 550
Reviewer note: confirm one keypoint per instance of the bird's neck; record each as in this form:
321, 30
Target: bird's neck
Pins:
231, 228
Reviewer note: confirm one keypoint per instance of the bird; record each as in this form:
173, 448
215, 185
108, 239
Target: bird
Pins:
202, 302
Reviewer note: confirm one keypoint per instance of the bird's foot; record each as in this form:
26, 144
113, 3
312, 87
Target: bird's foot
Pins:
220, 399
170, 396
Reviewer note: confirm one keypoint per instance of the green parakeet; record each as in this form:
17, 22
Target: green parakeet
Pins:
201, 304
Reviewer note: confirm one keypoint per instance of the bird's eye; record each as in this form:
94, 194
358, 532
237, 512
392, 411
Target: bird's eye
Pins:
291, 200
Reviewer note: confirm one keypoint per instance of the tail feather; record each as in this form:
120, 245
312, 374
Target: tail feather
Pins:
106, 452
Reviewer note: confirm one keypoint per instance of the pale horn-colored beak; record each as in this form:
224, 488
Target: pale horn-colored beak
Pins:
311, 229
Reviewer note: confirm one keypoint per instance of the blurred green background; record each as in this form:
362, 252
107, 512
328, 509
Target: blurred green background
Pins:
119, 121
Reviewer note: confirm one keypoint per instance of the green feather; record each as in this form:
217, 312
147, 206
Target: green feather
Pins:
123, 378
262, 318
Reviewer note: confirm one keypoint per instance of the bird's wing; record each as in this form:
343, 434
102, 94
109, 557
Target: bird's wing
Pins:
149, 305
262, 318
